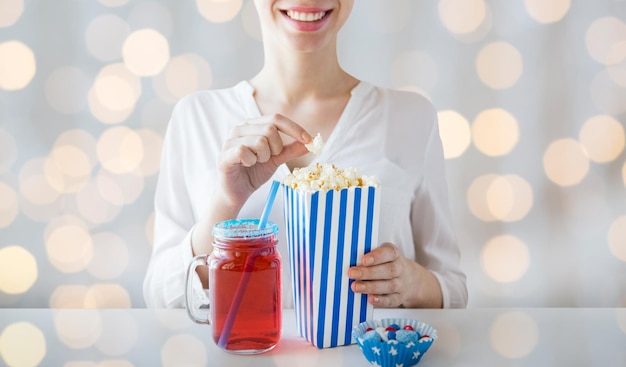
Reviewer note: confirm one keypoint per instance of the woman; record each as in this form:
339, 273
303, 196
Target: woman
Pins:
222, 148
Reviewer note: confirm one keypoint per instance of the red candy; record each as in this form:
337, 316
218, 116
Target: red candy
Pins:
391, 328
369, 329
408, 327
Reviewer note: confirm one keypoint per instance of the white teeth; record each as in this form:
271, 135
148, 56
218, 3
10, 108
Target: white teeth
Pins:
305, 17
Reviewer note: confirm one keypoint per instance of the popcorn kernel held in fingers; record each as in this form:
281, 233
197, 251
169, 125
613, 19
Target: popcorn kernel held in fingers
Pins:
316, 145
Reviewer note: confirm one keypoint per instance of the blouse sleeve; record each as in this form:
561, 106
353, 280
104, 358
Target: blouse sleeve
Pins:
164, 283
431, 220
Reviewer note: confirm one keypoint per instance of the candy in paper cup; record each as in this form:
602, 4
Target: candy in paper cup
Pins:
384, 347
328, 232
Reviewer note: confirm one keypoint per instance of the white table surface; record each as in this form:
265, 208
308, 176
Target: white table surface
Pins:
471, 337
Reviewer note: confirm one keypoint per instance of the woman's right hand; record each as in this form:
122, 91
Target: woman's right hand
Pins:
252, 153
249, 157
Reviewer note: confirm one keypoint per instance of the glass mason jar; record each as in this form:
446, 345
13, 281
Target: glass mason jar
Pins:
244, 286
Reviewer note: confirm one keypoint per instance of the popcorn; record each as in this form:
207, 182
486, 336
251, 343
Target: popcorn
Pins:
324, 177
316, 145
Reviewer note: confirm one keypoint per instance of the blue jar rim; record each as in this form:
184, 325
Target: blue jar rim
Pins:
243, 228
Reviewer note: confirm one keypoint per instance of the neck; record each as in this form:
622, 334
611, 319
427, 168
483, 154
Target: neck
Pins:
289, 77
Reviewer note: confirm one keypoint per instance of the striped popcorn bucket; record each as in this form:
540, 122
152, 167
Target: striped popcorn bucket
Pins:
328, 232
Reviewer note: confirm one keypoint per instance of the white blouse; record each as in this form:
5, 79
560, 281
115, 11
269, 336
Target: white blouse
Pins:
385, 133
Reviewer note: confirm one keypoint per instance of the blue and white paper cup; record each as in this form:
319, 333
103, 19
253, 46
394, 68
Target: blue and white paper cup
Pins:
328, 232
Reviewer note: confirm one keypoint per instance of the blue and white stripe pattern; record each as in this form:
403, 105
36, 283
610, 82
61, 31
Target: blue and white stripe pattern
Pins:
328, 232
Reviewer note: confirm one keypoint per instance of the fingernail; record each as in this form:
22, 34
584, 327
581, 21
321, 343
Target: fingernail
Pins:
355, 273
376, 299
368, 260
306, 137
360, 287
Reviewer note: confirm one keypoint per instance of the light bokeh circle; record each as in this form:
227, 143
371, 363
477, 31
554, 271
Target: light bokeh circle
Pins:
509, 198
10, 12
183, 75
499, 65
17, 65
603, 38
505, 258
114, 93
455, 133
107, 295
120, 150
69, 248
22, 344
462, 16
68, 296
71, 161
566, 162
495, 132
219, 11
78, 329
146, 52
603, 137
18, 270
547, 12
111, 109
514, 334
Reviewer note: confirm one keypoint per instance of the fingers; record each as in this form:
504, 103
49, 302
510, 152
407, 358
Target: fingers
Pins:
270, 125
258, 140
250, 149
387, 286
381, 293
380, 263
387, 252
287, 127
380, 276
256, 136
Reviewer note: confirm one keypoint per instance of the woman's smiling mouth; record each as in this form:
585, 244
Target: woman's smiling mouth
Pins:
305, 16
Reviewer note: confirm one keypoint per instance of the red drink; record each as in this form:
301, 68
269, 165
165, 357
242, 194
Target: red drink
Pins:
245, 287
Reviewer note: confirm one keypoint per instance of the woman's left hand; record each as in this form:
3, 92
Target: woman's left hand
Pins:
392, 280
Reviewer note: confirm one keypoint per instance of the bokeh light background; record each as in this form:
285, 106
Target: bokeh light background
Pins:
532, 106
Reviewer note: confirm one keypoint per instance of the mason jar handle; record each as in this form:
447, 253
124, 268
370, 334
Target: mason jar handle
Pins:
200, 260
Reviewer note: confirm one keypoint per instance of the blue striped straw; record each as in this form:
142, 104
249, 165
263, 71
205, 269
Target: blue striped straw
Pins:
268, 204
